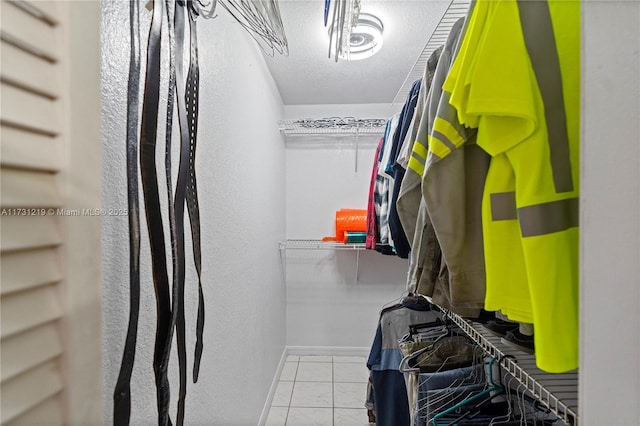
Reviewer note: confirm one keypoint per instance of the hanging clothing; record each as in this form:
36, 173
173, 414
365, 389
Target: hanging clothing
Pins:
387, 147
372, 218
452, 188
382, 190
429, 273
413, 160
407, 145
390, 394
401, 243
517, 79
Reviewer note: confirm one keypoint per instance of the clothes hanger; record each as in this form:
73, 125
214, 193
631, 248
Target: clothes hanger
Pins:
438, 399
527, 406
506, 418
471, 379
395, 302
506, 390
262, 20
484, 397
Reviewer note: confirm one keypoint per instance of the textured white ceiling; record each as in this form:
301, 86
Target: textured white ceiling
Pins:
308, 76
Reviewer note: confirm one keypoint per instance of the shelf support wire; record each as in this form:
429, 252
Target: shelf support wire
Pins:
357, 135
457, 9
357, 265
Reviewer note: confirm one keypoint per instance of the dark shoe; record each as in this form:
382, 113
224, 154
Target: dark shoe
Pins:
483, 317
500, 327
519, 341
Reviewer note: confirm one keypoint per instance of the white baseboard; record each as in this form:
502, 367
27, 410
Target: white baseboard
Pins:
272, 389
306, 350
329, 350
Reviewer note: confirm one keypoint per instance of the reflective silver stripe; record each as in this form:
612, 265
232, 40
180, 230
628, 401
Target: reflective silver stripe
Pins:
503, 206
537, 29
539, 219
418, 157
443, 138
450, 114
550, 217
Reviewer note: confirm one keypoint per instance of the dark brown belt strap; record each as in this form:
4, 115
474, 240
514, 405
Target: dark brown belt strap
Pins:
179, 204
192, 98
170, 311
122, 390
148, 139
166, 353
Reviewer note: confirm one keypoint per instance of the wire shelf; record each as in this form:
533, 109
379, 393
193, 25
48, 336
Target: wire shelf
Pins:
319, 245
558, 392
333, 125
457, 9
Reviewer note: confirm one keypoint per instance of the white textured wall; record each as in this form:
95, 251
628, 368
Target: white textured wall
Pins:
326, 305
610, 291
240, 165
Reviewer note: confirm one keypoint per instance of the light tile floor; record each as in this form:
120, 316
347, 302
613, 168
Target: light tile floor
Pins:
321, 390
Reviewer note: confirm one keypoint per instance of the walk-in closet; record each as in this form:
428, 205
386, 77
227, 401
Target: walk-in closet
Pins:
307, 212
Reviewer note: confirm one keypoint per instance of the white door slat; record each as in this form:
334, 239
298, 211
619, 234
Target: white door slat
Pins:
29, 389
22, 270
45, 10
21, 188
26, 110
23, 149
25, 232
48, 412
27, 71
29, 349
22, 311
19, 25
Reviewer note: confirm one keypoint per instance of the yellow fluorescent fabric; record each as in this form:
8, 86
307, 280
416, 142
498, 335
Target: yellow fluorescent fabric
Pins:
507, 284
519, 83
420, 149
415, 165
442, 126
456, 82
438, 147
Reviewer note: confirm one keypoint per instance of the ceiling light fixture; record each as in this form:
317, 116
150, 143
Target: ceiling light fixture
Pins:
361, 41
365, 39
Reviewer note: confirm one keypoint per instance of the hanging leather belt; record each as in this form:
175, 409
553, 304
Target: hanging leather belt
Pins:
186, 192
193, 83
122, 391
155, 228
170, 311
173, 230
179, 203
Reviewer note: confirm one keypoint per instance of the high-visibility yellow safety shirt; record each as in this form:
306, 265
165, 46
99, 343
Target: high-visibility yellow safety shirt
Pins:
517, 79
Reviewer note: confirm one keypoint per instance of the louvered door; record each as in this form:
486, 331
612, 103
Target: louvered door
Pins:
35, 142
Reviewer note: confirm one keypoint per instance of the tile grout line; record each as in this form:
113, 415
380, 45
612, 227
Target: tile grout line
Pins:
295, 376
333, 393
296, 380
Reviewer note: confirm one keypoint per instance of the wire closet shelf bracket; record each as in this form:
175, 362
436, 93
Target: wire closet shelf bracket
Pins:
298, 244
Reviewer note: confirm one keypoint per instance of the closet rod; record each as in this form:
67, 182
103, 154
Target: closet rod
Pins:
457, 9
